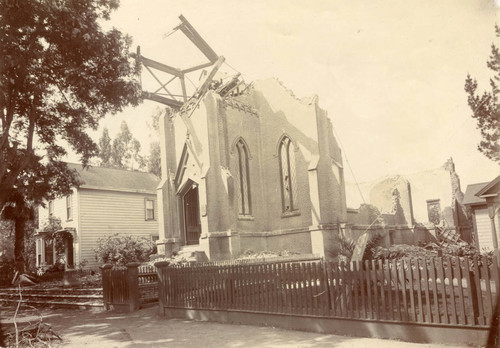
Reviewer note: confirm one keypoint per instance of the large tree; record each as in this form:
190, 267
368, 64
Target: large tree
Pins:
153, 160
121, 152
105, 148
60, 72
486, 106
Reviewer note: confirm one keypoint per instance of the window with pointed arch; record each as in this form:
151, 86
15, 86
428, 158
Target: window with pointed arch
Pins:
287, 173
243, 178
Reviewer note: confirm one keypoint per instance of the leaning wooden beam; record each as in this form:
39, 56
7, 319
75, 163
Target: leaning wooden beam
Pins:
194, 68
170, 102
195, 38
206, 84
160, 66
183, 86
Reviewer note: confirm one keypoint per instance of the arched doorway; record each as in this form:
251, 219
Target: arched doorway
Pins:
191, 213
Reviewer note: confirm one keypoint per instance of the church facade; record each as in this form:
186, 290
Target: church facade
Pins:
256, 170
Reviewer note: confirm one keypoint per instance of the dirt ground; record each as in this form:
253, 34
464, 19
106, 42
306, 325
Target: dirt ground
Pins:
145, 328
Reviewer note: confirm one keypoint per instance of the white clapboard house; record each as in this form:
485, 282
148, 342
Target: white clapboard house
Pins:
108, 201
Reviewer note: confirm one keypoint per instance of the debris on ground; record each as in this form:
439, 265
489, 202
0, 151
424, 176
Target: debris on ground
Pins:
39, 334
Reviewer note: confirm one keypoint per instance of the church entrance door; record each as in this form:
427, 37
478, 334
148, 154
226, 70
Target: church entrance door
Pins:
192, 221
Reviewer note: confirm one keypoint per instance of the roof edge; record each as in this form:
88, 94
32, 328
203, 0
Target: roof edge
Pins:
103, 188
487, 187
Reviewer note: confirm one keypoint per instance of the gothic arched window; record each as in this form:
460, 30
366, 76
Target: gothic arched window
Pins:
243, 177
287, 173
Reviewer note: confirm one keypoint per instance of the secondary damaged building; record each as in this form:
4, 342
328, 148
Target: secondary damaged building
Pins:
245, 166
419, 205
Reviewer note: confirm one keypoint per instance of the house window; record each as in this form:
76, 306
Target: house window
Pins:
150, 209
69, 207
243, 177
51, 208
434, 211
287, 173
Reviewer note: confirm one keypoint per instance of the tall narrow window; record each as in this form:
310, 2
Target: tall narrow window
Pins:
69, 207
243, 176
287, 172
149, 209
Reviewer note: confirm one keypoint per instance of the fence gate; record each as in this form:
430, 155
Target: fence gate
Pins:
120, 287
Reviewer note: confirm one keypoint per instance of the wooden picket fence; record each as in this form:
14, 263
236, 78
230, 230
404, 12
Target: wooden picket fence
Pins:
147, 274
449, 290
129, 287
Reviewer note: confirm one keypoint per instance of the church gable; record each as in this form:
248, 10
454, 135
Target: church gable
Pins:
189, 168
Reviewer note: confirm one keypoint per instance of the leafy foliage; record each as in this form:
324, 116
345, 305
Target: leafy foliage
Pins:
153, 161
105, 149
486, 106
431, 250
120, 249
121, 152
60, 73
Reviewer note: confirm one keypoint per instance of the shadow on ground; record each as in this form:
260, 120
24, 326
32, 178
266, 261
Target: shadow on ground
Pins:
145, 328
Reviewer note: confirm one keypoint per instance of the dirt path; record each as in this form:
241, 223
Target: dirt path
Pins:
145, 328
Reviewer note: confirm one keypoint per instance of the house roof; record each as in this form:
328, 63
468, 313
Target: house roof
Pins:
490, 188
470, 197
116, 179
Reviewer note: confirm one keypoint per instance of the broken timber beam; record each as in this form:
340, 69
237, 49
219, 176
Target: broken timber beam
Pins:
166, 101
195, 38
206, 84
160, 66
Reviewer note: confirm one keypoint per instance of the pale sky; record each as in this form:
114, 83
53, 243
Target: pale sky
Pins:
390, 73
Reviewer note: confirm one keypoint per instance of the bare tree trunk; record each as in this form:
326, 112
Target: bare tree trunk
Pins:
19, 232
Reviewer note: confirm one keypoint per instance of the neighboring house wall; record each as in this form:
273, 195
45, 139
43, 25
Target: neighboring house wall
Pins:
59, 210
104, 213
109, 201
483, 227
483, 202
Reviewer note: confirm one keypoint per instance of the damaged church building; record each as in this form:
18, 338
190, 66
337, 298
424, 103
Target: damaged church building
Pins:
244, 166
259, 171
249, 166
